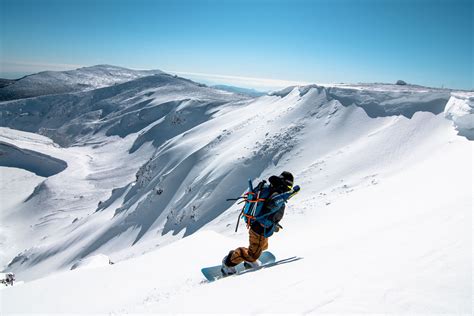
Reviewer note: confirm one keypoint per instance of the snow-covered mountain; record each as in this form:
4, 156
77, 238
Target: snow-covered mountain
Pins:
123, 173
119, 110
54, 82
6, 82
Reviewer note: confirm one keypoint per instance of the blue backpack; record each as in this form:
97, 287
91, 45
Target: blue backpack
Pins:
256, 199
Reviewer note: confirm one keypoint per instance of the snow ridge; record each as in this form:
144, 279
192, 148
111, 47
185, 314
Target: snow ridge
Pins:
460, 109
81, 79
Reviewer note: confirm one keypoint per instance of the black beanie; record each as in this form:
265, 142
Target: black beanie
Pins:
288, 177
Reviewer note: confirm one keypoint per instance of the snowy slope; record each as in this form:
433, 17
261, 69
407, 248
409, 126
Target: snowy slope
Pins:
110, 130
383, 222
360, 254
53, 82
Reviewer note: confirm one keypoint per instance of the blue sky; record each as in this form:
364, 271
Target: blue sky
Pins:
420, 41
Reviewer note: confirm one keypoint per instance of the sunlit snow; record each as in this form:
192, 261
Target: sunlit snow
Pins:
136, 172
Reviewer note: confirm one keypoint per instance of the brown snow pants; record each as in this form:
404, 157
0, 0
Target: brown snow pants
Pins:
257, 244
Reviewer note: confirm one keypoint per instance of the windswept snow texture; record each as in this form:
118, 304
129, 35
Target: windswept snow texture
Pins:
460, 109
383, 220
54, 82
40, 164
379, 100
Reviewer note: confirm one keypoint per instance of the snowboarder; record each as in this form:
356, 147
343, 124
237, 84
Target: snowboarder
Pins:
261, 228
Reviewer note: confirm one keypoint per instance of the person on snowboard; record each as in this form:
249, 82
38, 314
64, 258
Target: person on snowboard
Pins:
259, 233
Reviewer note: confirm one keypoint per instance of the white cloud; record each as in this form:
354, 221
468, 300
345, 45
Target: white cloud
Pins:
246, 82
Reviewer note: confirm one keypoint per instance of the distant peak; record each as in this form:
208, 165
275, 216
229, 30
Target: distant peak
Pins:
105, 66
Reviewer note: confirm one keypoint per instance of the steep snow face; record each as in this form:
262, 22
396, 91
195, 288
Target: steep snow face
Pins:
385, 200
53, 82
114, 131
460, 109
184, 185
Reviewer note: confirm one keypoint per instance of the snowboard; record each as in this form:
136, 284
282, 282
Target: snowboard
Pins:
214, 273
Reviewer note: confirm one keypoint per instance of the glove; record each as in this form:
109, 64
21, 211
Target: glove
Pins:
277, 228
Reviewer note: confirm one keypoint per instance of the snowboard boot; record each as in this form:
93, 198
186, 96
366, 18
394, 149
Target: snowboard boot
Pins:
226, 268
251, 265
